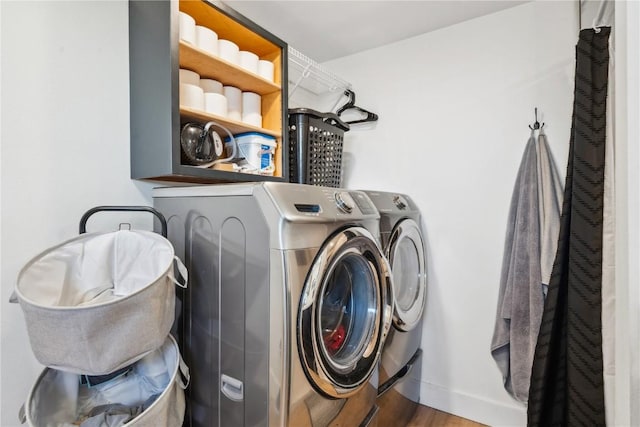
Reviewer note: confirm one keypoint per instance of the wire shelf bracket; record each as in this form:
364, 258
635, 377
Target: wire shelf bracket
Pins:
306, 73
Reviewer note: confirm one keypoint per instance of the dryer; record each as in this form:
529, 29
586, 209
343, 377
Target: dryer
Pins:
288, 305
401, 237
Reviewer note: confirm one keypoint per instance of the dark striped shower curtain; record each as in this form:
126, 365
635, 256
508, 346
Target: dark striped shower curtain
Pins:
567, 376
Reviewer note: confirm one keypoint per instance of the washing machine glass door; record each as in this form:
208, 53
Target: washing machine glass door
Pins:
405, 252
345, 313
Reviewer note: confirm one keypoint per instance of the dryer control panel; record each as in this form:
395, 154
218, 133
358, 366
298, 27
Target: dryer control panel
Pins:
400, 202
393, 203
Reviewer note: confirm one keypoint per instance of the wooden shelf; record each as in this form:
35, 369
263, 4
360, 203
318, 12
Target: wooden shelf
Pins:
234, 126
213, 67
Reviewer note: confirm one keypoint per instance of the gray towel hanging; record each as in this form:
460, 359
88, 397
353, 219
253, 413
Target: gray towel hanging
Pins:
530, 246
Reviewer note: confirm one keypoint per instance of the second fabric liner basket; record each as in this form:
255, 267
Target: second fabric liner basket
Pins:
101, 301
151, 393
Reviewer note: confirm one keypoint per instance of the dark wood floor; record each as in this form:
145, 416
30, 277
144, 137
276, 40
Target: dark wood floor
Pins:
429, 417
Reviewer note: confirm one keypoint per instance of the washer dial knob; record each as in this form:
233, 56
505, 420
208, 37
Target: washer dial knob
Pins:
344, 202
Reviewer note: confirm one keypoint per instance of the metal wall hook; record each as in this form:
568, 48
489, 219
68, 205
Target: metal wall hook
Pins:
537, 124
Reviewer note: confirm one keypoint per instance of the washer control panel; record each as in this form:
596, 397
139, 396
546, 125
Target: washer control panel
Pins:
308, 201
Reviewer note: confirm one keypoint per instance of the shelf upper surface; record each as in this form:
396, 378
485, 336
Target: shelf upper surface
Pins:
213, 67
233, 125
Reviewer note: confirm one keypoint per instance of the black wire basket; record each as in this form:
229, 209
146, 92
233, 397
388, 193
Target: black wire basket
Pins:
315, 147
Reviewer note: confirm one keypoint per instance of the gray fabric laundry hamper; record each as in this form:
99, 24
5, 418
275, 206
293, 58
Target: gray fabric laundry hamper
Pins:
58, 399
100, 301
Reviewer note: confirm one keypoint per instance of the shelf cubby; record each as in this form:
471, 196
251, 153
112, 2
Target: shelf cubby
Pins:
156, 55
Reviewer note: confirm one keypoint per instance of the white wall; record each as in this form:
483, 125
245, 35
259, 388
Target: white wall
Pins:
454, 107
65, 146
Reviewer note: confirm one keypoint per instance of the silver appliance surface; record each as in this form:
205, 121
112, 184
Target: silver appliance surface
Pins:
288, 304
401, 236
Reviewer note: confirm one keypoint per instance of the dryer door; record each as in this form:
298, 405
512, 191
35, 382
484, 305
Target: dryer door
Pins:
405, 252
345, 313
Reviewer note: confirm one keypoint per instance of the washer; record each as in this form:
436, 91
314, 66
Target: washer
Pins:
400, 367
288, 305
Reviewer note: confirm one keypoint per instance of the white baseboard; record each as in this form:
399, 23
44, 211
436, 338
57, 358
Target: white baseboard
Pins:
475, 408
